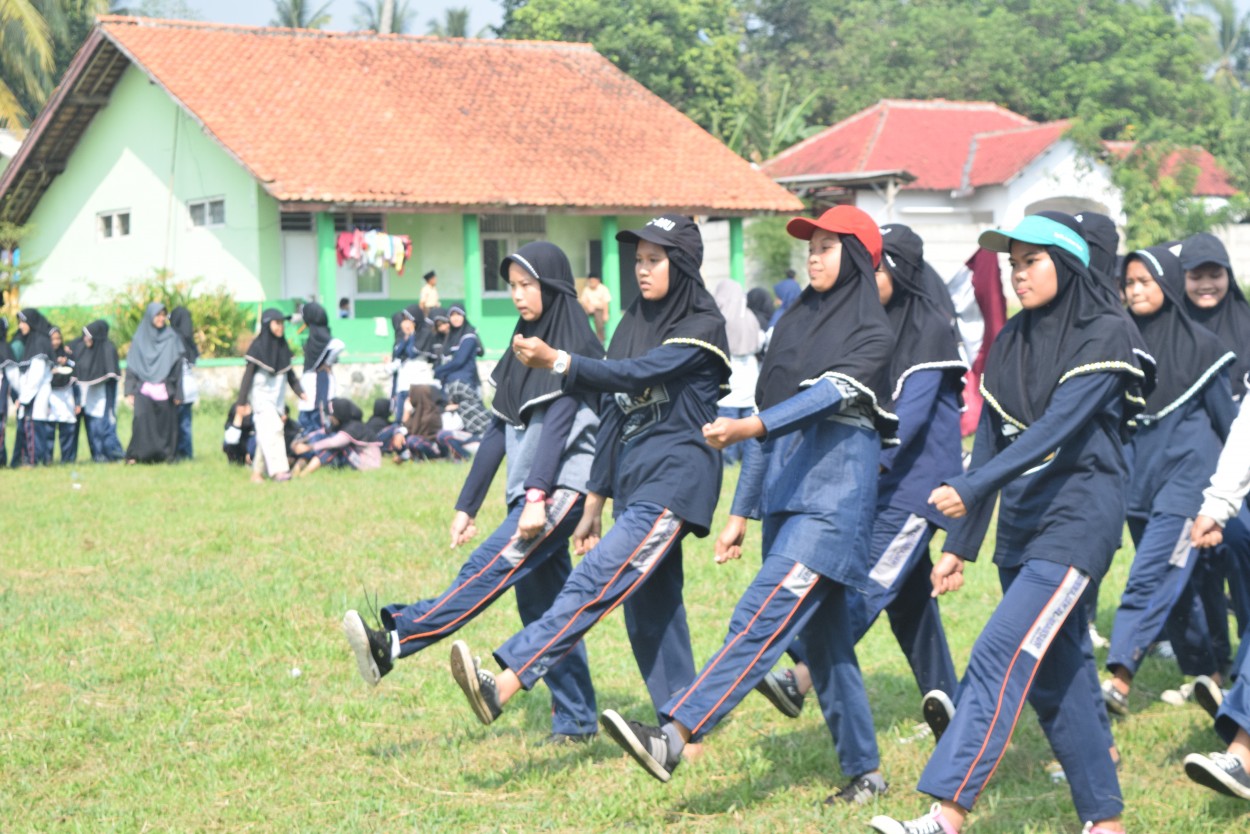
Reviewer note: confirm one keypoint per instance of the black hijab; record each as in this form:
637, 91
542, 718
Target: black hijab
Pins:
760, 302
842, 332
98, 362
1230, 319
38, 342
688, 314
1082, 330
451, 343
351, 420
921, 313
6, 352
62, 374
1190, 354
423, 334
381, 416
563, 325
269, 352
180, 321
318, 322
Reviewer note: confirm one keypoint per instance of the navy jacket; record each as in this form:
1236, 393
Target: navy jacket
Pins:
929, 449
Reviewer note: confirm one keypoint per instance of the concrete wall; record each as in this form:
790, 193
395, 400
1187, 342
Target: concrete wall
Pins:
143, 154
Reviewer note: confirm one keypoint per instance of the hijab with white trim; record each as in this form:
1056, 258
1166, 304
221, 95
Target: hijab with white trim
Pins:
1230, 319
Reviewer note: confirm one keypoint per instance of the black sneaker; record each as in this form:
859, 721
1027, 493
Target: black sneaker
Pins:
648, 745
371, 646
1208, 694
859, 791
782, 691
1221, 772
938, 712
567, 739
477, 684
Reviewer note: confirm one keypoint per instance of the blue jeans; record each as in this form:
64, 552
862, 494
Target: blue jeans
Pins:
102, 439
185, 450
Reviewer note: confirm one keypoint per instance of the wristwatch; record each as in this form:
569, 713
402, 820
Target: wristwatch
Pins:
533, 495
561, 365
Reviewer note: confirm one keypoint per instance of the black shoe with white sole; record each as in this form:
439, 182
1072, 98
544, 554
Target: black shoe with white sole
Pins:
782, 691
859, 791
477, 684
647, 744
1221, 772
939, 712
371, 646
1208, 695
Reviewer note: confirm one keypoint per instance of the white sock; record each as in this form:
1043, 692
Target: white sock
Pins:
394, 635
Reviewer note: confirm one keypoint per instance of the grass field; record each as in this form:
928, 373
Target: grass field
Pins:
171, 660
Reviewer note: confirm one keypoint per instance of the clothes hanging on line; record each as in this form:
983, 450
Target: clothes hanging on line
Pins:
373, 248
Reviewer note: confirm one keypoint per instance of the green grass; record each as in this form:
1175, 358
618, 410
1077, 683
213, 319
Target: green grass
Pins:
152, 617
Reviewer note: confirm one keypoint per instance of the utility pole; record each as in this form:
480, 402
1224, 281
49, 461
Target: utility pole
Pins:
388, 17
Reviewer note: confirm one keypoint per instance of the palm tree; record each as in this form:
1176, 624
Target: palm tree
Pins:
369, 16
1231, 38
455, 24
28, 34
298, 14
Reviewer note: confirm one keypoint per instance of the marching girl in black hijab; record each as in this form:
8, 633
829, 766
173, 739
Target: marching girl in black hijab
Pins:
154, 387
1061, 385
262, 395
180, 321
1183, 428
32, 376
820, 394
667, 366
926, 379
98, 371
548, 437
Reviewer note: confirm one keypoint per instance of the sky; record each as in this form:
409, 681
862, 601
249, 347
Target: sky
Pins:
260, 12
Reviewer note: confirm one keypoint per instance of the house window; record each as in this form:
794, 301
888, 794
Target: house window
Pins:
297, 221
114, 224
349, 221
209, 212
503, 234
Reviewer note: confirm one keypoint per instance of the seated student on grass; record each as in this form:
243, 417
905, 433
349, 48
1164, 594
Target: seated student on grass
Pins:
548, 438
926, 379
1174, 452
814, 485
346, 444
239, 438
417, 438
465, 418
1062, 384
380, 422
667, 366
98, 371
1226, 771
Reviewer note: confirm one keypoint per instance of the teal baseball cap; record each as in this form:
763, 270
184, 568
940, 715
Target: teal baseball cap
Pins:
1039, 230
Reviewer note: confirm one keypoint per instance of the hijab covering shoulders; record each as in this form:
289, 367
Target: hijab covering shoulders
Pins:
787, 292
381, 415
1230, 319
741, 326
153, 353
921, 313
6, 352
268, 352
180, 321
423, 330
318, 342
350, 419
760, 301
459, 334
1082, 330
1191, 355
98, 362
688, 314
842, 333
563, 325
38, 342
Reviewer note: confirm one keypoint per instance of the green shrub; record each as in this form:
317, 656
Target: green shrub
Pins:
220, 322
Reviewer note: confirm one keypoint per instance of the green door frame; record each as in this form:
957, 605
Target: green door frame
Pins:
472, 267
737, 259
327, 262
610, 269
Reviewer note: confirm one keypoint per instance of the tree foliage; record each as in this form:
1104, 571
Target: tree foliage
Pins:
369, 16
300, 14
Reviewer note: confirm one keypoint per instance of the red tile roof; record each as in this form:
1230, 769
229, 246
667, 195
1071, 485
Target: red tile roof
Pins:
1212, 179
929, 139
998, 156
429, 123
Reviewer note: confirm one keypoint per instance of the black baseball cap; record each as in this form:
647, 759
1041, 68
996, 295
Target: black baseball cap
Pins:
672, 231
1203, 248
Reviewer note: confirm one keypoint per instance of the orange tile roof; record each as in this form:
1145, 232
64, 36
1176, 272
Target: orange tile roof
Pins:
426, 123
999, 156
1212, 179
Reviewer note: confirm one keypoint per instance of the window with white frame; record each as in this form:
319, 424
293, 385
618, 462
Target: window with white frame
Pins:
503, 234
111, 224
210, 211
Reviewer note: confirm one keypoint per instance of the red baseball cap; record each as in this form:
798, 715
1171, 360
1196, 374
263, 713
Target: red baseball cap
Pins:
842, 220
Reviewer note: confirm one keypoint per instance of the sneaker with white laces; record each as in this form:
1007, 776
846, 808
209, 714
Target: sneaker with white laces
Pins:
861, 790
1179, 696
371, 646
645, 743
782, 691
938, 711
1163, 650
1090, 828
1208, 695
931, 823
1115, 700
1221, 772
477, 684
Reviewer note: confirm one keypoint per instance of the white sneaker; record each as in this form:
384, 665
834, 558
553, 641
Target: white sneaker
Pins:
1097, 639
1178, 697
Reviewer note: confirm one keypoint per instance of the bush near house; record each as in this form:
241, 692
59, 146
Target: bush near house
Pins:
221, 323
